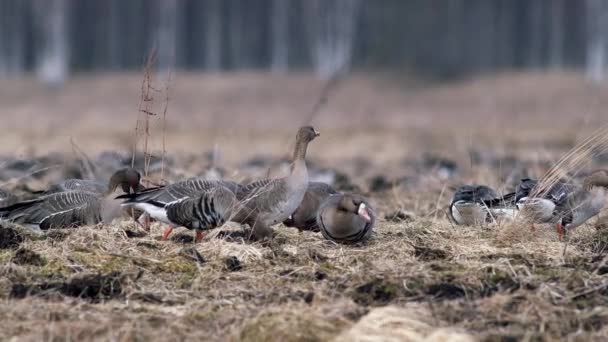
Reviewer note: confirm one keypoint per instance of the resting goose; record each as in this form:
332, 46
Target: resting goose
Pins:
305, 216
345, 218
468, 208
266, 202
69, 208
7, 198
201, 210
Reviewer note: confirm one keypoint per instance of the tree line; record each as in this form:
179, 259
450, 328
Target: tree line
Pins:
436, 37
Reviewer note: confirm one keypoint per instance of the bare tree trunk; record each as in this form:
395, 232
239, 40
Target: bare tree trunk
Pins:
213, 35
332, 34
167, 35
535, 33
280, 35
597, 14
11, 38
556, 38
52, 62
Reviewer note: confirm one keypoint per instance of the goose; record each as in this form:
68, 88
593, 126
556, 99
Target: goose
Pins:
565, 205
305, 216
476, 204
173, 192
129, 177
7, 198
345, 218
69, 208
266, 202
199, 210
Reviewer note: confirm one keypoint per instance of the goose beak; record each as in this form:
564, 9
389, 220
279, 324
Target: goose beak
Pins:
317, 133
364, 213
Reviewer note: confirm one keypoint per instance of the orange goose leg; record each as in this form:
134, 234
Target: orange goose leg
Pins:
560, 231
166, 233
199, 236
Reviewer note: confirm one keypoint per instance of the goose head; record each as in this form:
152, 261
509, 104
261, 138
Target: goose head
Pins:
307, 134
128, 179
354, 204
597, 178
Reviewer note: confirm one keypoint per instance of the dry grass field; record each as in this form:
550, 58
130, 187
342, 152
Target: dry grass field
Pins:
404, 144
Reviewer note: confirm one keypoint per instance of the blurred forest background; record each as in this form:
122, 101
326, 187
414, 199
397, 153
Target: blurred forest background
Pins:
55, 38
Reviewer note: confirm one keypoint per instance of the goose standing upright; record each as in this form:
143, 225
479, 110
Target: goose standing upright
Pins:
266, 202
345, 218
71, 208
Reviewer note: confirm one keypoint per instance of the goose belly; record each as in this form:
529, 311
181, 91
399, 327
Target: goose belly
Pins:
286, 208
157, 213
538, 210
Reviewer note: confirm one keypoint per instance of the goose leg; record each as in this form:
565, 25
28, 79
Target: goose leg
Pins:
560, 231
199, 236
261, 231
166, 233
144, 221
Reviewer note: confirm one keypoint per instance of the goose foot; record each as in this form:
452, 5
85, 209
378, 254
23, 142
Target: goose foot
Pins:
144, 222
199, 236
560, 231
166, 233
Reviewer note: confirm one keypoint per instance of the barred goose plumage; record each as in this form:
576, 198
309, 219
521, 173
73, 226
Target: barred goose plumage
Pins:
125, 178
564, 204
346, 218
7, 198
305, 216
208, 207
266, 202
70, 208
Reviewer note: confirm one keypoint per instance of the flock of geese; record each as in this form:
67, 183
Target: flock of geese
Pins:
566, 205
199, 204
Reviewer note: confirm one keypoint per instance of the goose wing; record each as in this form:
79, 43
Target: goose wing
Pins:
59, 210
172, 192
85, 185
263, 195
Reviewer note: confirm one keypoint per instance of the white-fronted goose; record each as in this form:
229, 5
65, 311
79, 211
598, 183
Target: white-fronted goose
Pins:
345, 218
125, 178
7, 198
565, 205
477, 204
69, 208
266, 202
203, 210
305, 216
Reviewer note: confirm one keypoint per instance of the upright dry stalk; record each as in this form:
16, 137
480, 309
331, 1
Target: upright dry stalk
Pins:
164, 128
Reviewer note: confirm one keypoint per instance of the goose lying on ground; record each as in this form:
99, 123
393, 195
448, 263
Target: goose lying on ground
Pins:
201, 210
266, 202
7, 198
305, 216
70, 208
345, 218
477, 204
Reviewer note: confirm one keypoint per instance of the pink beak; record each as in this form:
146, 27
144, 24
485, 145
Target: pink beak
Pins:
364, 213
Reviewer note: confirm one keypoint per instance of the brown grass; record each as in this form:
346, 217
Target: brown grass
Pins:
418, 280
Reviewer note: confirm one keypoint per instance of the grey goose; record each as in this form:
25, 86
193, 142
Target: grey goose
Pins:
305, 216
346, 218
200, 210
266, 202
7, 198
125, 178
69, 208
467, 206
565, 205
